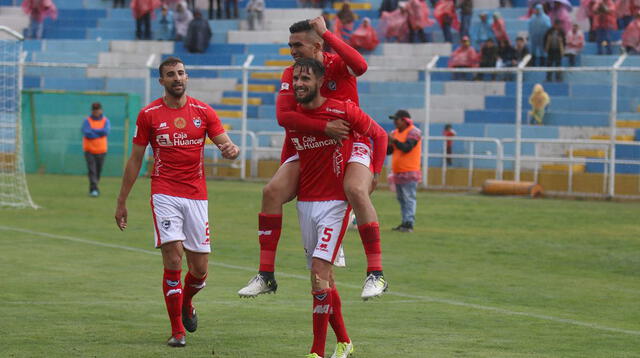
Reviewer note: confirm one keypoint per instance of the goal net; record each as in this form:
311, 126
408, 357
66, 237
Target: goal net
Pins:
14, 191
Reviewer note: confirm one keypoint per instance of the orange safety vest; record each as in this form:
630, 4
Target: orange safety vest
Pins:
406, 162
97, 145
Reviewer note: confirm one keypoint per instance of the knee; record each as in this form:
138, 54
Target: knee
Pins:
356, 193
173, 262
198, 272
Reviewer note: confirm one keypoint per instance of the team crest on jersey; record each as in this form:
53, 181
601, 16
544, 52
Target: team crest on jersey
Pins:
166, 224
197, 122
284, 86
179, 123
332, 85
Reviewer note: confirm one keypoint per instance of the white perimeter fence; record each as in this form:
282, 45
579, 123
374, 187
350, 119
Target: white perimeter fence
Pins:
250, 139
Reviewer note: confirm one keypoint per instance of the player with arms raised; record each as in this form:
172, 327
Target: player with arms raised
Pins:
176, 126
306, 41
323, 210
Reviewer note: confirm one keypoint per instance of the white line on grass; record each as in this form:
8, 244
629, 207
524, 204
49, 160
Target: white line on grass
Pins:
301, 277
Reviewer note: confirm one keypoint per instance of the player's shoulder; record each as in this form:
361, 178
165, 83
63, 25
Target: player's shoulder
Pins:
152, 107
337, 106
198, 104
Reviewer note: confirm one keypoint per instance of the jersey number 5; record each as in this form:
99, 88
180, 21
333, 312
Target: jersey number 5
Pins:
327, 234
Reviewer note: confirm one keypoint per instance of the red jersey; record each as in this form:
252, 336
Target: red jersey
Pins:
177, 138
339, 83
323, 160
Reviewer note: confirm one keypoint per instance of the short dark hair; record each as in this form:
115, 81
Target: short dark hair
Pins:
169, 61
96, 105
312, 64
300, 26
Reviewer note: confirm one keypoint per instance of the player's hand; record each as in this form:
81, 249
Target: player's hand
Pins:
229, 150
318, 25
337, 129
374, 182
121, 216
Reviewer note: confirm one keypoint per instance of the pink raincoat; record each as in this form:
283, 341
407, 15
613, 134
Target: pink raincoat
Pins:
631, 35
395, 24
561, 13
364, 36
141, 7
40, 9
444, 9
604, 20
627, 7
464, 56
575, 42
499, 29
419, 14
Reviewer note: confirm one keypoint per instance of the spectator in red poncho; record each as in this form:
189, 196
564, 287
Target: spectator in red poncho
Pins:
445, 13
142, 11
364, 37
464, 56
418, 20
625, 9
343, 26
499, 29
631, 36
394, 25
604, 21
38, 10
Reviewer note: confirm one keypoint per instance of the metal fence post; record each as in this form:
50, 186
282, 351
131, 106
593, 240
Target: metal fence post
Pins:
427, 121
612, 125
245, 106
519, 84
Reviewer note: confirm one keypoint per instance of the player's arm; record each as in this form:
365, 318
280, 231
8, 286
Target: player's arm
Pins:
290, 119
366, 126
228, 149
356, 64
131, 172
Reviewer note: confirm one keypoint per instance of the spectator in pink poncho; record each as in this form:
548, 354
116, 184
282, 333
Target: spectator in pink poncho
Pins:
38, 10
631, 36
584, 12
445, 13
499, 29
142, 11
394, 25
464, 56
343, 26
575, 43
604, 22
418, 19
364, 37
625, 10
560, 12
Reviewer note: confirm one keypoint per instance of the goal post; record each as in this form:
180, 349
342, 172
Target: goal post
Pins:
14, 191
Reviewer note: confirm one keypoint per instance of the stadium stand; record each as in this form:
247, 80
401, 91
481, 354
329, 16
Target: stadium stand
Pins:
92, 33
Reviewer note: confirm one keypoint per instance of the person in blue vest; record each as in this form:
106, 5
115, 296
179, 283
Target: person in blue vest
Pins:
95, 130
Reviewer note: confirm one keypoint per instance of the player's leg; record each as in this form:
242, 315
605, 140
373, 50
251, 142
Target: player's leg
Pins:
281, 189
172, 289
321, 283
91, 169
357, 186
197, 248
168, 234
330, 220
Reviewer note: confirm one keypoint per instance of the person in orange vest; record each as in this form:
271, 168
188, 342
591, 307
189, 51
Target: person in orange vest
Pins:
405, 148
95, 130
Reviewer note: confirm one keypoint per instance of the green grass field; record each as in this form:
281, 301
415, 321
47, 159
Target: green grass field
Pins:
479, 277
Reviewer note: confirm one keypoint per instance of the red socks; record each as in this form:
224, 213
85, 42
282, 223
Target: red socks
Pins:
335, 319
192, 285
172, 289
269, 227
321, 311
370, 236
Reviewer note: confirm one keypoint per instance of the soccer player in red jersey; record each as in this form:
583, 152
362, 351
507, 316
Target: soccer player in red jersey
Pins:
323, 210
176, 126
306, 41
